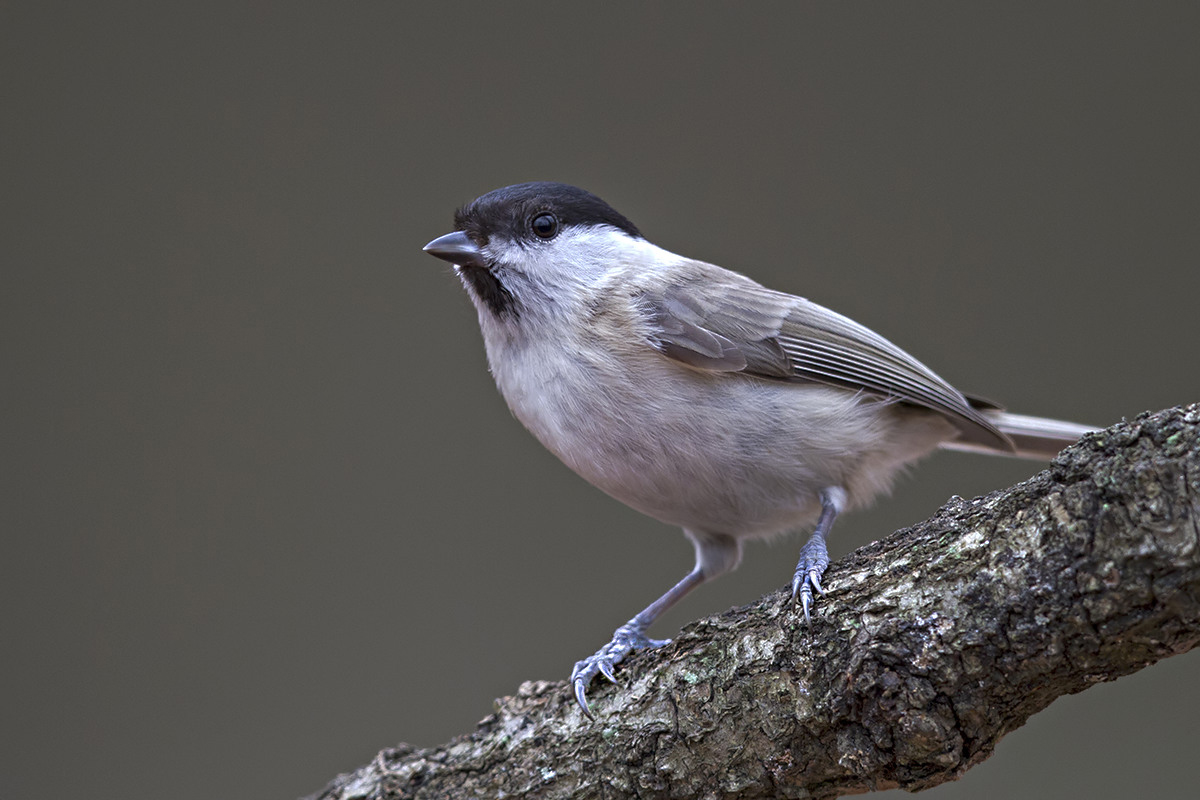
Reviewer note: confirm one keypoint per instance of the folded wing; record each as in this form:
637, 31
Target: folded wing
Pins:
732, 324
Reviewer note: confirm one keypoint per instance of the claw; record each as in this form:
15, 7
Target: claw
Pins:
814, 557
806, 582
806, 585
807, 600
626, 639
581, 698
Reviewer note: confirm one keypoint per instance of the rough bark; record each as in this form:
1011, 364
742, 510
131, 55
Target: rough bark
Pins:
931, 645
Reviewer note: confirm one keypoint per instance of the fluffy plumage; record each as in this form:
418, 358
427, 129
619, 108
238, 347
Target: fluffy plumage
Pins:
693, 393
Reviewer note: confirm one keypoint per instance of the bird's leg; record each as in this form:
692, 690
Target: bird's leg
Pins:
814, 557
715, 554
627, 638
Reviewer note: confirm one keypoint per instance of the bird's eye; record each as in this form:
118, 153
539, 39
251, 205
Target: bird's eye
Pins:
545, 225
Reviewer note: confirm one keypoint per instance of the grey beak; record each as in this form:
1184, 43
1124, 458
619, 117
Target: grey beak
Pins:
457, 248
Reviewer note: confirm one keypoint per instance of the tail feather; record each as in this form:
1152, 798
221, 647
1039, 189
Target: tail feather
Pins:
1032, 437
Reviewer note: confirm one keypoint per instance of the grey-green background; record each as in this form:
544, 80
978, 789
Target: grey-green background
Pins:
264, 512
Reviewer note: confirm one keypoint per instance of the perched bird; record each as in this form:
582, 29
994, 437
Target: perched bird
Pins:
694, 394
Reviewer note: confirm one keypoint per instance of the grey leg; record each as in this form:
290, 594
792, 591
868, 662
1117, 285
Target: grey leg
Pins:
714, 555
814, 557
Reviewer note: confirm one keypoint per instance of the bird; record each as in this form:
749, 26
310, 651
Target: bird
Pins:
696, 395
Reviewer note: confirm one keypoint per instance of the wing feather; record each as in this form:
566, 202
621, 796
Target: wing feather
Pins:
725, 322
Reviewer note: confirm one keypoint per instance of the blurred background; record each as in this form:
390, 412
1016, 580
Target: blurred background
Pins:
264, 512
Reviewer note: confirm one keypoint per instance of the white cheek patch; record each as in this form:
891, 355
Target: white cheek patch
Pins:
503, 251
587, 253
548, 278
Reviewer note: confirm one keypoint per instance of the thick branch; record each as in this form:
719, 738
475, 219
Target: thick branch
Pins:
931, 645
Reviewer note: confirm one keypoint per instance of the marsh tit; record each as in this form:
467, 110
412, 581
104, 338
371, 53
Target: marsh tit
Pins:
696, 395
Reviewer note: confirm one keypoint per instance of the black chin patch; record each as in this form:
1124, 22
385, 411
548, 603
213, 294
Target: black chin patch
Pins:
491, 291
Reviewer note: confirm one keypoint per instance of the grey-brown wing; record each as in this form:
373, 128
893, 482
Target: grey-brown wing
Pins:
727, 323
730, 328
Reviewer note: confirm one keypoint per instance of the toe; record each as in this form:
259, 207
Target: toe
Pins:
581, 696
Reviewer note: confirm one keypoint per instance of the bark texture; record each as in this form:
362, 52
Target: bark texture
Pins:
931, 645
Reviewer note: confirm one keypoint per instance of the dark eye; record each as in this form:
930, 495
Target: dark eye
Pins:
545, 225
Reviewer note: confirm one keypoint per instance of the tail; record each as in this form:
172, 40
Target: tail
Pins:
1032, 437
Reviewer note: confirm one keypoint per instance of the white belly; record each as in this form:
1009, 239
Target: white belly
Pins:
712, 452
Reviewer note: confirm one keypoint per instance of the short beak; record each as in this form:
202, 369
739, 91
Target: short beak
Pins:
457, 248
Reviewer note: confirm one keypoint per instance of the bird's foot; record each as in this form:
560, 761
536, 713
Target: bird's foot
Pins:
625, 640
806, 583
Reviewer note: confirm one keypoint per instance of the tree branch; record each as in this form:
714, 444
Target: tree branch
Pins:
931, 645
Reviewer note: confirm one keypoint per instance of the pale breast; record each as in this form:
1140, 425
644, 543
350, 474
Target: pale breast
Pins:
709, 452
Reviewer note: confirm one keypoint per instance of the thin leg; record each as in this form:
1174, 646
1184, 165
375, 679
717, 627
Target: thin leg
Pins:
714, 555
814, 556
627, 638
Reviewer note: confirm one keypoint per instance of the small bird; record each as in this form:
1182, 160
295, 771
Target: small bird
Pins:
696, 395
